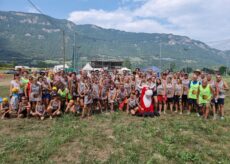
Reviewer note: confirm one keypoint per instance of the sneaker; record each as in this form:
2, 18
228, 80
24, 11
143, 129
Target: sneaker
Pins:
176, 111
180, 113
222, 118
164, 112
198, 115
42, 118
51, 117
188, 113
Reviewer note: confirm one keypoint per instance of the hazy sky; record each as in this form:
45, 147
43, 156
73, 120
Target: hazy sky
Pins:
205, 20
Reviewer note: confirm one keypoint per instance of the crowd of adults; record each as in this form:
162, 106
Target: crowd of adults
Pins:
48, 94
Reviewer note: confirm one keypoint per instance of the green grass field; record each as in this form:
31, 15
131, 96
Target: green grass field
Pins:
116, 138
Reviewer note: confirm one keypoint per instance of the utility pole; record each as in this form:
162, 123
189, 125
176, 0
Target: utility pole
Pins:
74, 52
160, 57
63, 48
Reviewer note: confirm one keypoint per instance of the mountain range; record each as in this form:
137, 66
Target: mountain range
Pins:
26, 38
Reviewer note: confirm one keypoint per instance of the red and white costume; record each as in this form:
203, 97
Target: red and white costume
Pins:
146, 102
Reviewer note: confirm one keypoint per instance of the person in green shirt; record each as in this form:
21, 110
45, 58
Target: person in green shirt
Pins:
193, 94
205, 93
24, 80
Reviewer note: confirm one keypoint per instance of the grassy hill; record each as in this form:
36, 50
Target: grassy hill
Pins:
31, 37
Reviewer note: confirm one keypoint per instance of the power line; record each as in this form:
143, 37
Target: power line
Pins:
54, 24
35, 7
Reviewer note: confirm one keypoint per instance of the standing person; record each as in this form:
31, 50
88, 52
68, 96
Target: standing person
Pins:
112, 96
35, 94
193, 94
178, 95
88, 101
170, 93
81, 88
73, 85
161, 90
24, 81
204, 97
104, 96
16, 83
46, 88
185, 83
96, 95
27, 88
221, 86
14, 100
121, 97
154, 89
214, 95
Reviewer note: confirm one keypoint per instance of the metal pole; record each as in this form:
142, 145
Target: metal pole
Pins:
160, 57
74, 57
63, 35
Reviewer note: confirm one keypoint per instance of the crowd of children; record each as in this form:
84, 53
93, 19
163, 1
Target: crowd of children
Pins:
50, 94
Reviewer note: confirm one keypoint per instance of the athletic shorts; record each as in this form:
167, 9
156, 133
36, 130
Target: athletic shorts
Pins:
46, 96
192, 101
96, 100
161, 98
184, 98
177, 99
220, 101
154, 93
170, 99
203, 105
214, 102
23, 111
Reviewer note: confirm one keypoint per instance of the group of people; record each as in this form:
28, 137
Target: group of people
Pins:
51, 94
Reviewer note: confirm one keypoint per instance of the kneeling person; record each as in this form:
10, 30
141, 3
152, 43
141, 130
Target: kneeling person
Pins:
39, 110
5, 108
54, 108
24, 108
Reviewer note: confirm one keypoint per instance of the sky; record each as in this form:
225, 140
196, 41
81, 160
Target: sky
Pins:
204, 20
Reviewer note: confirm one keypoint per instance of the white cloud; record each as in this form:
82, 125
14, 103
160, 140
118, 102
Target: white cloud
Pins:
198, 19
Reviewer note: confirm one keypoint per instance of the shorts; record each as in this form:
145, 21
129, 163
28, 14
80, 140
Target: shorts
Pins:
170, 99
177, 99
192, 102
46, 96
154, 93
23, 111
132, 107
53, 109
214, 102
220, 101
184, 98
204, 105
161, 99
95, 100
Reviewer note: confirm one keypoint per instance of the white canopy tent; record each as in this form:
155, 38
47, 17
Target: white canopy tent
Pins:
87, 67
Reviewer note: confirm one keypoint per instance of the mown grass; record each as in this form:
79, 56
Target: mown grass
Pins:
116, 138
